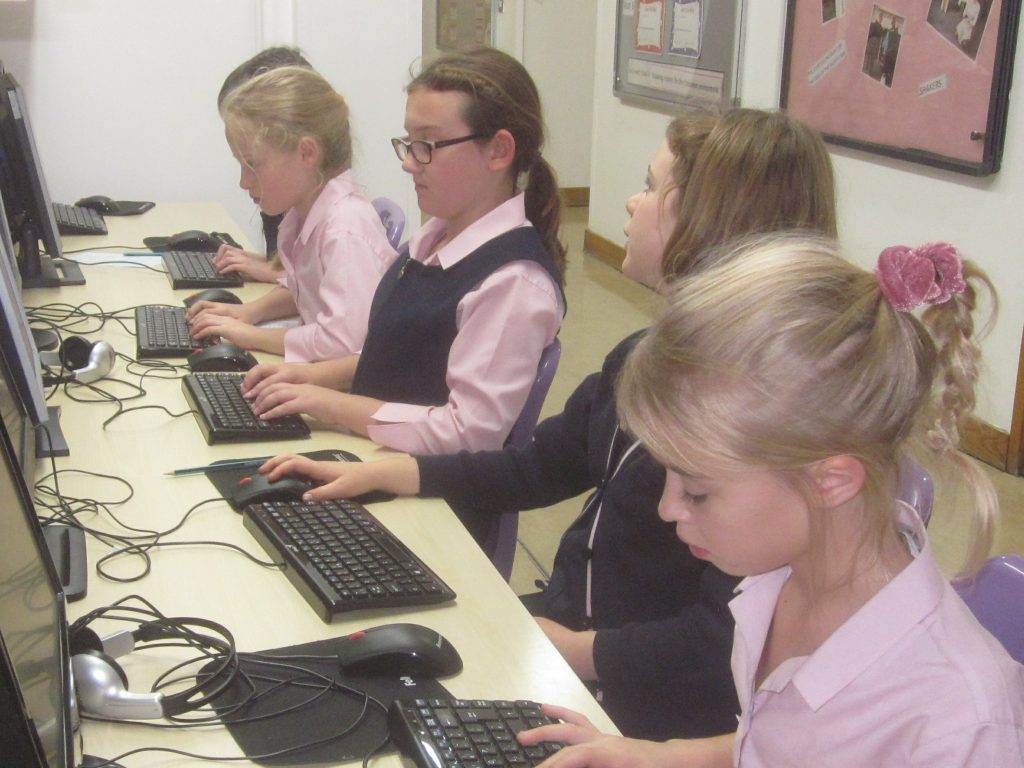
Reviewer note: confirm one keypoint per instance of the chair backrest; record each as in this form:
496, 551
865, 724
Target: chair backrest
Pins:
501, 540
995, 596
916, 488
392, 217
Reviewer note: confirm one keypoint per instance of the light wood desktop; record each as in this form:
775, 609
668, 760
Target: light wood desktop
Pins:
506, 656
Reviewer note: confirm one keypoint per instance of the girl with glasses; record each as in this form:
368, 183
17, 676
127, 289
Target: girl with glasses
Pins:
459, 322
289, 130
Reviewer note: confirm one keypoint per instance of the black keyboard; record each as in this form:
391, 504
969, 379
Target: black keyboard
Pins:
194, 269
76, 220
464, 733
161, 331
340, 558
224, 416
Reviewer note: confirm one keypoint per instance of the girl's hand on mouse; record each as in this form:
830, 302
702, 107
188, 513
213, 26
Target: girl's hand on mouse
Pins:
254, 266
589, 748
342, 480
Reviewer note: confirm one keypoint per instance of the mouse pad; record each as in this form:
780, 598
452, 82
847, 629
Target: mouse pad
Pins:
332, 724
226, 480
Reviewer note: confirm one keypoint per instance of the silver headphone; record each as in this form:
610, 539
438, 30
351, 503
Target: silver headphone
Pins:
86, 361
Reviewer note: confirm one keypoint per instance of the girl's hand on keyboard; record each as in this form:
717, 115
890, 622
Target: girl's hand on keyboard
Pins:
254, 266
342, 480
589, 748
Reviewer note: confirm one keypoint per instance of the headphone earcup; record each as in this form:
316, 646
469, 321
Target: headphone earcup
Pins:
83, 640
101, 687
74, 352
87, 361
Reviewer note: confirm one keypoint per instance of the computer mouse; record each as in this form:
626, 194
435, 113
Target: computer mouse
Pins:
398, 649
212, 294
258, 488
222, 356
99, 203
194, 240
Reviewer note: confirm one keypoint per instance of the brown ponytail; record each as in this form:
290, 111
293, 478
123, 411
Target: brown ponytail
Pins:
502, 95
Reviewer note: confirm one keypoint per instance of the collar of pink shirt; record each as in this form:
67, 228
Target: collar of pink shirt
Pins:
896, 610
508, 216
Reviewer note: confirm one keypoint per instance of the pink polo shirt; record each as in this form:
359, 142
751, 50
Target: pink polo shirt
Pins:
333, 264
504, 324
911, 679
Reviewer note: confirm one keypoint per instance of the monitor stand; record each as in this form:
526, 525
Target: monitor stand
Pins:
40, 271
88, 761
67, 550
50, 440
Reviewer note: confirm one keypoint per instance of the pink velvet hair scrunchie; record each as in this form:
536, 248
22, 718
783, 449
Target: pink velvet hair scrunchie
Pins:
929, 274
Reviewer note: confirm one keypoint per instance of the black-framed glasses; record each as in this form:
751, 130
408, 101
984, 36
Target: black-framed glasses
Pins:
422, 151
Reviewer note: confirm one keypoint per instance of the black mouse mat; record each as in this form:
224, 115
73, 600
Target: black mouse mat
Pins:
226, 480
282, 706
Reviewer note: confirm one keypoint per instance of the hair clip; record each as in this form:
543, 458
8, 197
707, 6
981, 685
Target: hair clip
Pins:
929, 274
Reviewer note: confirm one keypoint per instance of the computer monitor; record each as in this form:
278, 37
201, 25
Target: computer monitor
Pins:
37, 709
30, 209
23, 395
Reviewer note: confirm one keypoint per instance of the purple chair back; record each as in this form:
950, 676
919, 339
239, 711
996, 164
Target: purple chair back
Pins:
995, 596
392, 217
916, 488
501, 540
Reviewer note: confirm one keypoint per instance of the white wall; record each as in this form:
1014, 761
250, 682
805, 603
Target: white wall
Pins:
122, 93
881, 202
559, 43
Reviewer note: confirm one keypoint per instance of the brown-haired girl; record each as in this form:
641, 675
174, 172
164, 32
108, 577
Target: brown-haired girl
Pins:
459, 323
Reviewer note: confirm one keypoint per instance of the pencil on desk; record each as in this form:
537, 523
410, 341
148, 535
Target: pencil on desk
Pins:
239, 464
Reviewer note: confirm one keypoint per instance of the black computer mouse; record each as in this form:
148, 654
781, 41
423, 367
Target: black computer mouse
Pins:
99, 203
223, 356
258, 488
194, 240
222, 295
398, 649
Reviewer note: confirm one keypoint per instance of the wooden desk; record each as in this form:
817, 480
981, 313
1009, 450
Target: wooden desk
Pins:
506, 656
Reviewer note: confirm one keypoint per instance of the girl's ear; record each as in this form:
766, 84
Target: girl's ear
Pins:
309, 151
838, 479
501, 150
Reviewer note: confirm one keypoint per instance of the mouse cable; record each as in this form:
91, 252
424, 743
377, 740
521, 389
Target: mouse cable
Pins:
319, 683
140, 545
165, 409
111, 248
69, 317
119, 262
329, 684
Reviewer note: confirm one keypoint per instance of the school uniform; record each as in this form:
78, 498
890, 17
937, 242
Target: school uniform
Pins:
333, 262
911, 679
664, 631
456, 366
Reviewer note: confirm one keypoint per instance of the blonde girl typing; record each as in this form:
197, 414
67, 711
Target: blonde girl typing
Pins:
780, 391
288, 129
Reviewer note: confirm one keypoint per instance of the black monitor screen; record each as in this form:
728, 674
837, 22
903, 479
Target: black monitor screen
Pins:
17, 347
35, 692
28, 169
27, 197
